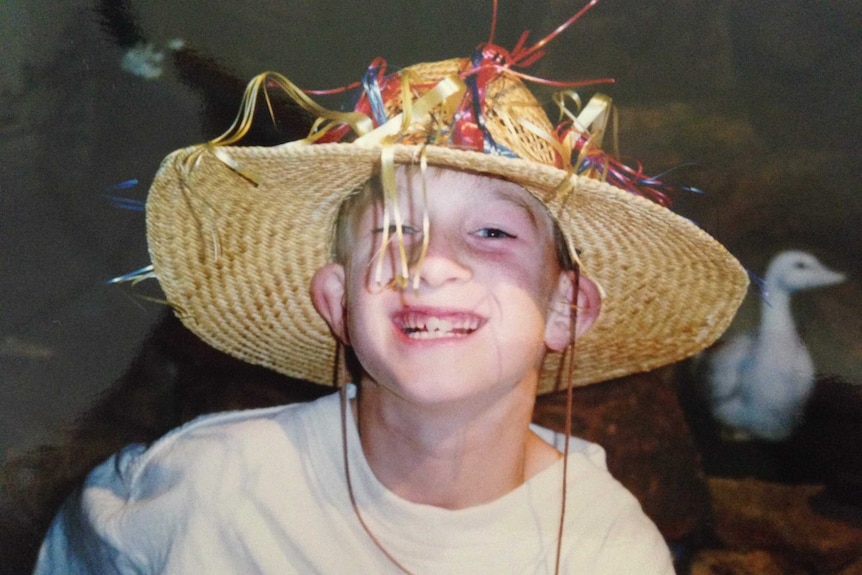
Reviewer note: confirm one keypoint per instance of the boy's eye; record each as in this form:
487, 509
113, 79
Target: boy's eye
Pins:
493, 233
393, 229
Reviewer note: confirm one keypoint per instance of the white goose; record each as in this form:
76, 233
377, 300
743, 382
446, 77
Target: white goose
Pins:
759, 384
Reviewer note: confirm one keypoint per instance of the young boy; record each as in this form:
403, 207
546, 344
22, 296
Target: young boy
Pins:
440, 250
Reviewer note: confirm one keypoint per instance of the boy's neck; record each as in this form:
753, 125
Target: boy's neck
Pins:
450, 456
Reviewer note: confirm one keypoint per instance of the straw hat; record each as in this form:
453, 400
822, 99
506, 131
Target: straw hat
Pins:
236, 233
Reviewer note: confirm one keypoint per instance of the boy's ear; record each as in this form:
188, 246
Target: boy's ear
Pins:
327, 295
558, 331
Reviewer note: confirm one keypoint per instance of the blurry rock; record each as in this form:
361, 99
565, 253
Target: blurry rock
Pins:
755, 515
855, 569
639, 422
719, 562
830, 440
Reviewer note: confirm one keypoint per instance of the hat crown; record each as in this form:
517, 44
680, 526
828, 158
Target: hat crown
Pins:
508, 119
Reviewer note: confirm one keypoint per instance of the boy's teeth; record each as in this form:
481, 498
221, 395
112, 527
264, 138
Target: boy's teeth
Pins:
436, 324
429, 327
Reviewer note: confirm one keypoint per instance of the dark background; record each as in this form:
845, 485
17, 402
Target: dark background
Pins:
762, 95
756, 102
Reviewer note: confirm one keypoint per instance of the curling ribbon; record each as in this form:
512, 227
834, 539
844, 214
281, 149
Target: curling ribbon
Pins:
447, 90
593, 119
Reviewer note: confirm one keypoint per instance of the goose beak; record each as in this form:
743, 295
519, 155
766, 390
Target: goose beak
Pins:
826, 277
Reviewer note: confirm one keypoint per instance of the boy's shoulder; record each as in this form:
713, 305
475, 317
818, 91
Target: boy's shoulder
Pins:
215, 447
591, 454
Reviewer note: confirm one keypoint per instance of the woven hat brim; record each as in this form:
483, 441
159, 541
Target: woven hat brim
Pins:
235, 259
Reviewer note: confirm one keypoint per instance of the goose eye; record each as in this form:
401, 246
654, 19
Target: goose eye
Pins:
392, 229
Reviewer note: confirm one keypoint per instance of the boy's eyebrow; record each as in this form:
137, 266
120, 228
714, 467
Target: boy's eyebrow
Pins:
517, 199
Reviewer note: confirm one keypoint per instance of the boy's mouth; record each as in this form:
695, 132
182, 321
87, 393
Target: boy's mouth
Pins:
420, 325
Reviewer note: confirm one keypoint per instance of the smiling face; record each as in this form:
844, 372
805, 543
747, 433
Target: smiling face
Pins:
488, 302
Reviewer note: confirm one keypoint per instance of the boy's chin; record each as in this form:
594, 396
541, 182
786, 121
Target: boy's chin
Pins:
433, 392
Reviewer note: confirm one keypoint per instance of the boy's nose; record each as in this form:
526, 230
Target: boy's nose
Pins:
442, 264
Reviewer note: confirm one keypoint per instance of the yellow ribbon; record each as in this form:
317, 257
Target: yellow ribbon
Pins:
447, 92
326, 119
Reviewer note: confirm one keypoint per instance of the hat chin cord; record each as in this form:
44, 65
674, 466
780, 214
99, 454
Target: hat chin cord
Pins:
568, 361
340, 373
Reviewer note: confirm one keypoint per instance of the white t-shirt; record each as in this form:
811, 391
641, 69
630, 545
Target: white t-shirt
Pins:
264, 491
